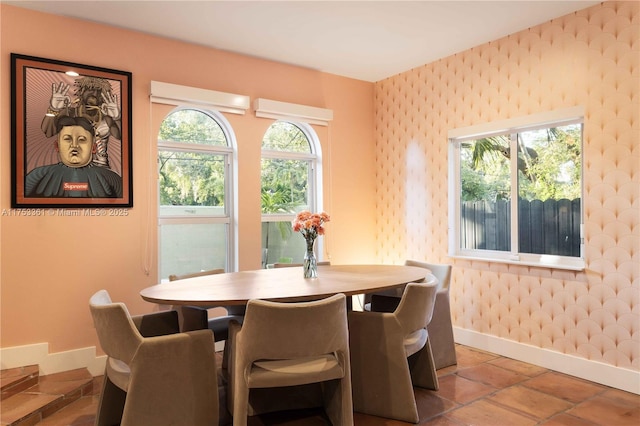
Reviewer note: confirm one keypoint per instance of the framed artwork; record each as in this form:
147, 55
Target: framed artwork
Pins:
70, 135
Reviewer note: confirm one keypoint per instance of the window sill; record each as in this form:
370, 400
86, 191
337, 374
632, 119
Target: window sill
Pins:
546, 261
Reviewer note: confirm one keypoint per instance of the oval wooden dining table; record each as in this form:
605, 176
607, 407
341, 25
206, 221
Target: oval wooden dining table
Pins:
282, 284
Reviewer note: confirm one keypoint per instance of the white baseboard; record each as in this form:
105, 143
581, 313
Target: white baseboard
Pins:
620, 378
49, 363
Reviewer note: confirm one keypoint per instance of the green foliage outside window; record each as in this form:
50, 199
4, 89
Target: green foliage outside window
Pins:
192, 126
191, 178
549, 165
285, 185
285, 182
283, 136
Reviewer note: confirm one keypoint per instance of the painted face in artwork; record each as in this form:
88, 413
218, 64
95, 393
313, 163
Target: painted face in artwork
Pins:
75, 146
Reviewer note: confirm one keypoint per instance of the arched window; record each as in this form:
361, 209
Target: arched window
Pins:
290, 181
195, 153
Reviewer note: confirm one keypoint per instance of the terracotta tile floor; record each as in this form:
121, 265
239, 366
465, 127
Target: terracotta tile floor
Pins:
483, 389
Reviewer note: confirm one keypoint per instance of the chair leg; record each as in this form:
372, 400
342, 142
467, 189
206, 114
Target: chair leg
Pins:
422, 367
111, 404
386, 392
240, 404
337, 401
441, 333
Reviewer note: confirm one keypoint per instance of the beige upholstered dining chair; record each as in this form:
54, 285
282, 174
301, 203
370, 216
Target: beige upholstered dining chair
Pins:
440, 328
152, 378
391, 353
281, 345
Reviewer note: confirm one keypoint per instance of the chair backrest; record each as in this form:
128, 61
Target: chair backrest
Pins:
416, 306
441, 271
174, 277
118, 335
289, 265
280, 330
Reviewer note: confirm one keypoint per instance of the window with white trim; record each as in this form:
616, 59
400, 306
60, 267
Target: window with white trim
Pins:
290, 172
195, 160
516, 191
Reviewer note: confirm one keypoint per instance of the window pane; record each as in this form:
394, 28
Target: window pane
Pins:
285, 185
283, 136
193, 180
485, 194
187, 248
286, 189
192, 126
280, 244
549, 190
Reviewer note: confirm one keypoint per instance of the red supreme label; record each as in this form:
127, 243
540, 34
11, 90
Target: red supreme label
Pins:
75, 186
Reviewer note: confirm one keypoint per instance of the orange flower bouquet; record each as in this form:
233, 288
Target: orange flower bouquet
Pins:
310, 225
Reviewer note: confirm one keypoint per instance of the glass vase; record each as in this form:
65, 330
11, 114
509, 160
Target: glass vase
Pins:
309, 263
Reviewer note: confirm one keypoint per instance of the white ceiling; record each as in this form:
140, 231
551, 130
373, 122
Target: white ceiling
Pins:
365, 40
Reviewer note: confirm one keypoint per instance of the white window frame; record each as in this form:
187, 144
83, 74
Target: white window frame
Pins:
230, 207
456, 136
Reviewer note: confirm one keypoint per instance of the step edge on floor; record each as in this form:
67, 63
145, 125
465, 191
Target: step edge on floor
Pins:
36, 410
25, 383
18, 379
52, 402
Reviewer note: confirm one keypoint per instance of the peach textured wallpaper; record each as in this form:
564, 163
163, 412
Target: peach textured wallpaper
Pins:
590, 58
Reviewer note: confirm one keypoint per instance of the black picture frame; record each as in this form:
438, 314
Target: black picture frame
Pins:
59, 111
